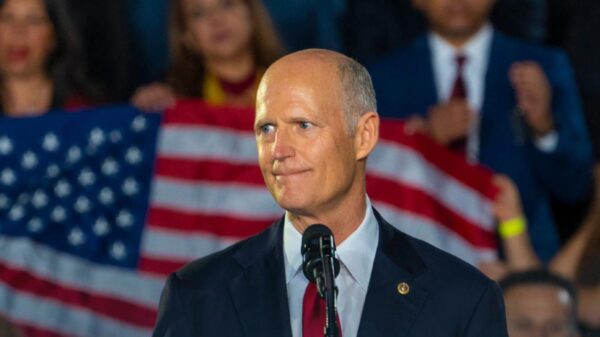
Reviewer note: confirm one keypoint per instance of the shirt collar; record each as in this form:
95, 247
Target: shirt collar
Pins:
356, 253
476, 49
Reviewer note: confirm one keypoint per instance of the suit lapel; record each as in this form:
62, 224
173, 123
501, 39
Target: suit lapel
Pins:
260, 292
387, 311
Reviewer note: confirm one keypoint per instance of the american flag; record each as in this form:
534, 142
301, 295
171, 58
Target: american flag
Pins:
93, 216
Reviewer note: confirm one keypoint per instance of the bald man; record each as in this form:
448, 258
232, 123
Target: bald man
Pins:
316, 124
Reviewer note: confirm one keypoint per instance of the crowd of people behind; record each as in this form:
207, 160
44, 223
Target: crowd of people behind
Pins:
477, 76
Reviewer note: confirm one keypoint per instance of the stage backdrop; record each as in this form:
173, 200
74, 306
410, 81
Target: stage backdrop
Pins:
98, 206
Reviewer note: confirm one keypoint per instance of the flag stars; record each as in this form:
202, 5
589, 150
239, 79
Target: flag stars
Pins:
59, 214
23, 198
50, 142
115, 136
124, 219
73, 155
110, 166
130, 187
16, 213
133, 155
40, 199
97, 137
106, 196
35, 225
62, 188
101, 227
76, 237
29, 160
53, 171
8, 177
4, 201
82, 204
6, 146
86, 177
139, 124
118, 250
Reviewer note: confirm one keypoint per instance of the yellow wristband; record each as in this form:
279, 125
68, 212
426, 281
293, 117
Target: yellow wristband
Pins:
513, 227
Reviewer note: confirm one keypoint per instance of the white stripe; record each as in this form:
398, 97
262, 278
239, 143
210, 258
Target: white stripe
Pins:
181, 246
435, 234
391, 160
207, 142
75, 273
397, 162
214, 198
60, 318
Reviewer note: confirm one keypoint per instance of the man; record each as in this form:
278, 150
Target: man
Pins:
507, 104
539, 303
315, 127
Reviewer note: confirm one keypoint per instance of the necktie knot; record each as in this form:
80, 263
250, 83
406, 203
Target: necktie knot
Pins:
460, 60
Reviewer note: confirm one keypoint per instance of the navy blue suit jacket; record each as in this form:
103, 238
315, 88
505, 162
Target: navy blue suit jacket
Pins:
404, 84
241, 291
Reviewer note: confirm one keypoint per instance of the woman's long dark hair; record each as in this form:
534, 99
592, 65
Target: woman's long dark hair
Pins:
66, 66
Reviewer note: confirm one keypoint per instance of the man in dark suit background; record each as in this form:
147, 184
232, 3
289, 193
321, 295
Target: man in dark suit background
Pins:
510, 105
316, 124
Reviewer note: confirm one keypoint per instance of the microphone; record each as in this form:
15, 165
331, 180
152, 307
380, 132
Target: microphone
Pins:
320, 266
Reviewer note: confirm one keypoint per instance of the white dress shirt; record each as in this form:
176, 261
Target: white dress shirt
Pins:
477, 51
356, 255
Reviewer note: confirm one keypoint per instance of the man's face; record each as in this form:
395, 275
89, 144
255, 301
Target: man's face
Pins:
538, 310
306, 155
455, 18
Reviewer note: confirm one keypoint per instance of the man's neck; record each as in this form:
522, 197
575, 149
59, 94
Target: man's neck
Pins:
458, 40
343, 220
233, 69
27, 95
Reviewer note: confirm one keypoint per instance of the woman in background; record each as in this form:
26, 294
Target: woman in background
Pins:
219, 51
40, 57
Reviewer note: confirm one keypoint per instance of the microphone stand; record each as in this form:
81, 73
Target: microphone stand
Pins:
327, 281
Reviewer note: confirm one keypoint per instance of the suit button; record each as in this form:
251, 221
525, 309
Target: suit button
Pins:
403, 288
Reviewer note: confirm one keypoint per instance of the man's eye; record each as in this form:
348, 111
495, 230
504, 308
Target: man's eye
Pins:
305, 125
267, 128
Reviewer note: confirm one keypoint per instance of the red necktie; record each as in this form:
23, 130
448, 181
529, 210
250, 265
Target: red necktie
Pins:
459, 91
313, 313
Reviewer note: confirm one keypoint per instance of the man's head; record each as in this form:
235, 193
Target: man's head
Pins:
315, 126
455, 19
539, 303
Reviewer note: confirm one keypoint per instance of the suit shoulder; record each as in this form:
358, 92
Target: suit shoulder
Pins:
448, 269
530, 50
221, 265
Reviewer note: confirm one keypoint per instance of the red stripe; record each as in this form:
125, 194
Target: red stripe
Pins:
473, 175
195, 112
220, 225
100, 304
33, 331
159, 267
209, 170
417, 201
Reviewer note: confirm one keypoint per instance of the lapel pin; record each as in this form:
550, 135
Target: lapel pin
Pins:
403, 288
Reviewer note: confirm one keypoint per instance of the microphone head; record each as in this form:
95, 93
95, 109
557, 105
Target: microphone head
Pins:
317, 241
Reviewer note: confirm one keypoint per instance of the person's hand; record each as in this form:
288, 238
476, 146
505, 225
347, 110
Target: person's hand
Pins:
449, 121
415, 124
153, 97
496, 270
534, 96
507, 204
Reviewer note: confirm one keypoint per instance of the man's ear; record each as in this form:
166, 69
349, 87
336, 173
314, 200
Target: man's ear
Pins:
366, 134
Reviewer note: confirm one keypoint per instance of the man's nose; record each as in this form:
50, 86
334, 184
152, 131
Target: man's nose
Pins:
282, 146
